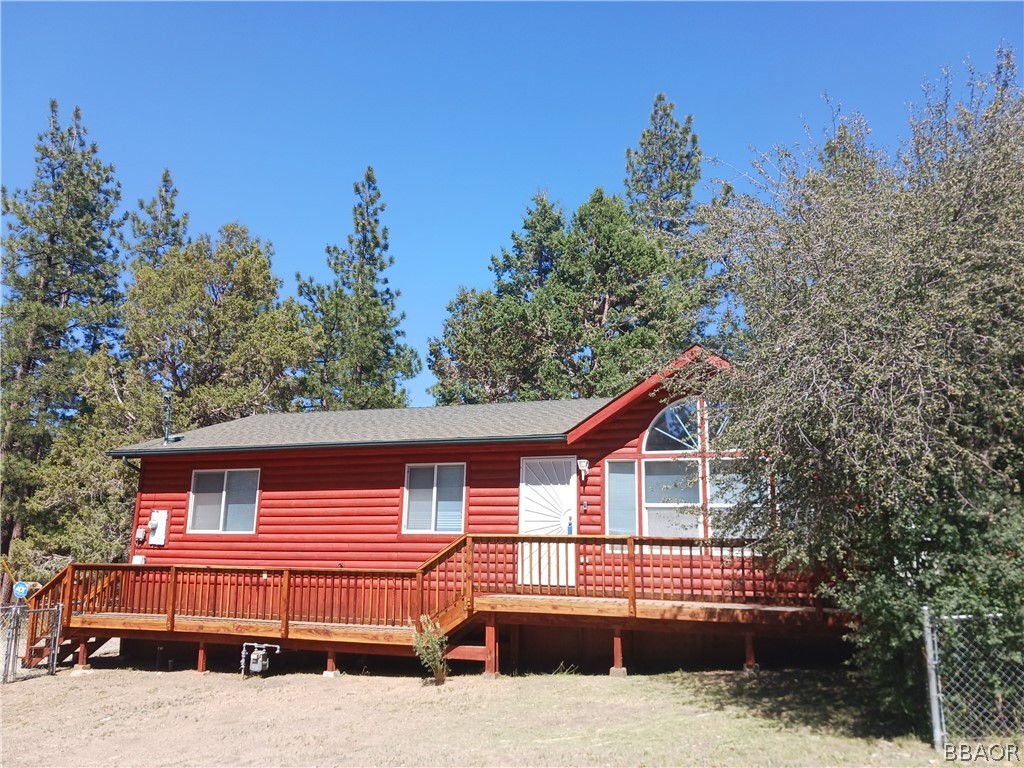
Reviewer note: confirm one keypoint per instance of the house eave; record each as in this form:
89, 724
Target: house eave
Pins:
178, 451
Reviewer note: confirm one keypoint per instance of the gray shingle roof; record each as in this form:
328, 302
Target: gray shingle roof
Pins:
546, 420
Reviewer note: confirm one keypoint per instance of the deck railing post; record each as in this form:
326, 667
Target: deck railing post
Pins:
66, 597
467, 567
172, 581
419, 601
631, 573
286, 579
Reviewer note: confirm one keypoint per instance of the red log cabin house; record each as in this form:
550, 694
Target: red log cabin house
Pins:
551, 528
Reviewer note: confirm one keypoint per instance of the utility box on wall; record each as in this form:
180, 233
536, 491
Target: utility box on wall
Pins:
157, 527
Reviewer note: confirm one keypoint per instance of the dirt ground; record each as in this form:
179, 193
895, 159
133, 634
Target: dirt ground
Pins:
117, 716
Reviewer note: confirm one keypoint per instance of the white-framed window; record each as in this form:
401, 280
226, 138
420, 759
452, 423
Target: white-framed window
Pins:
223, 501
621, 498
685, 477
672, 498
676, 429
434, 498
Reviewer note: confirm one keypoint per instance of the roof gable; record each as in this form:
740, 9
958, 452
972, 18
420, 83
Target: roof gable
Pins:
649, 387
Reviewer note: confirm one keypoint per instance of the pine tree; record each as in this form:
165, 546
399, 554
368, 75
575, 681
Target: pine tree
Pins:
613, 302
156, 227
91, 498
360, 361
206, 324
581, 310
60, 280
469, 366
661, 174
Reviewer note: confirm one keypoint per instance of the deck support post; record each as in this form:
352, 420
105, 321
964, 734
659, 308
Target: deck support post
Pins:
617, 670
750, 662
491, 649
83, 656
332, 665
514, 647
201, 662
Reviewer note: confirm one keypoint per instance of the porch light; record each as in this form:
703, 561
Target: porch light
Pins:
584, 467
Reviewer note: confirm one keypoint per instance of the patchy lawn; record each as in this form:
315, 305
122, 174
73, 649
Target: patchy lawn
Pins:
120, 717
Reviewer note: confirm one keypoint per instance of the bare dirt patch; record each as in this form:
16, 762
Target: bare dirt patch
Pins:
125, 717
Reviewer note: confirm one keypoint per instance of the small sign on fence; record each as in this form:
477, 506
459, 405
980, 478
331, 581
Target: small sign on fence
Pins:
21, 590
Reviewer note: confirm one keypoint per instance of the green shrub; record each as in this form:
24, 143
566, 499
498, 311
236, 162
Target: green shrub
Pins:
431, 645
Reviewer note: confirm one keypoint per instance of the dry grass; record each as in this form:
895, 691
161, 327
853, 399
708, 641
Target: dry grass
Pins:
120, 717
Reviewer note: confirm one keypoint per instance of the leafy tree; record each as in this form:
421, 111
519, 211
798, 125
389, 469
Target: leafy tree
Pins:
360, 360
205, 322
878, 372
60, 280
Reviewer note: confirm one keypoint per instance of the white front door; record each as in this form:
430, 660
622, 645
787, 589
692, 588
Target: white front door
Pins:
547, 507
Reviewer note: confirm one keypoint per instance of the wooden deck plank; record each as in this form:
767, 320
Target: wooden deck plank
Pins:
271, 629
652, 610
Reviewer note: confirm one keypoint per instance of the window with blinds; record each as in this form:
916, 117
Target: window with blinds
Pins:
434, 498
224, 501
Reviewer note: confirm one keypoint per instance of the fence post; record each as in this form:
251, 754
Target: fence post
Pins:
931, 658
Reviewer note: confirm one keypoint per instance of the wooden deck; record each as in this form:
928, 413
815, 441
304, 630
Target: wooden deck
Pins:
619, 582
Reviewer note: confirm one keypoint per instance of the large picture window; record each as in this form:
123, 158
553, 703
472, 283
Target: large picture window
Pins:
224, 501
672, 498
434, 498
681, 482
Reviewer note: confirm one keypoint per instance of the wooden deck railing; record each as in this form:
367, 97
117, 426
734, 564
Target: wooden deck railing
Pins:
444, 587
645, 568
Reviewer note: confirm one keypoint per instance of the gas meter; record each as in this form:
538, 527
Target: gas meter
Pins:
258, 661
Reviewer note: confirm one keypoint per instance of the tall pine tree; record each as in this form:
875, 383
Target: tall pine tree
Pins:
91, 498
157, 227
661, 174
60, 285
360, 361
583, 308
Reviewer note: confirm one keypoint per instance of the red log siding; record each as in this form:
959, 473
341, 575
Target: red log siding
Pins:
318, 508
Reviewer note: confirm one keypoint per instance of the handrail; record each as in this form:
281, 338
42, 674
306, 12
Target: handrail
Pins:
54, 583
444, 586
44, 598
444, 553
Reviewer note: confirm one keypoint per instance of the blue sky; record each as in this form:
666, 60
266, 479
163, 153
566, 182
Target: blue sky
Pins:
266, 113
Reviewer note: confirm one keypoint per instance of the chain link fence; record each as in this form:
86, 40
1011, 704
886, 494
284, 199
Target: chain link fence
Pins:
975, 677
17, 623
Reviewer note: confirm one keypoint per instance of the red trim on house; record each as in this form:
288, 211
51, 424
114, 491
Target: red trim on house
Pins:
644, 389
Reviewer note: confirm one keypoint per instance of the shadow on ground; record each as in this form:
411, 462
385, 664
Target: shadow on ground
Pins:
826, 700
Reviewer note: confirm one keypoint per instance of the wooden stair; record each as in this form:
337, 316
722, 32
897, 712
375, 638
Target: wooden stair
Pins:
38, 655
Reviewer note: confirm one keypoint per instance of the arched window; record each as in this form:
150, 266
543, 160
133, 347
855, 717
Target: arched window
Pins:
677, 428
679, 480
